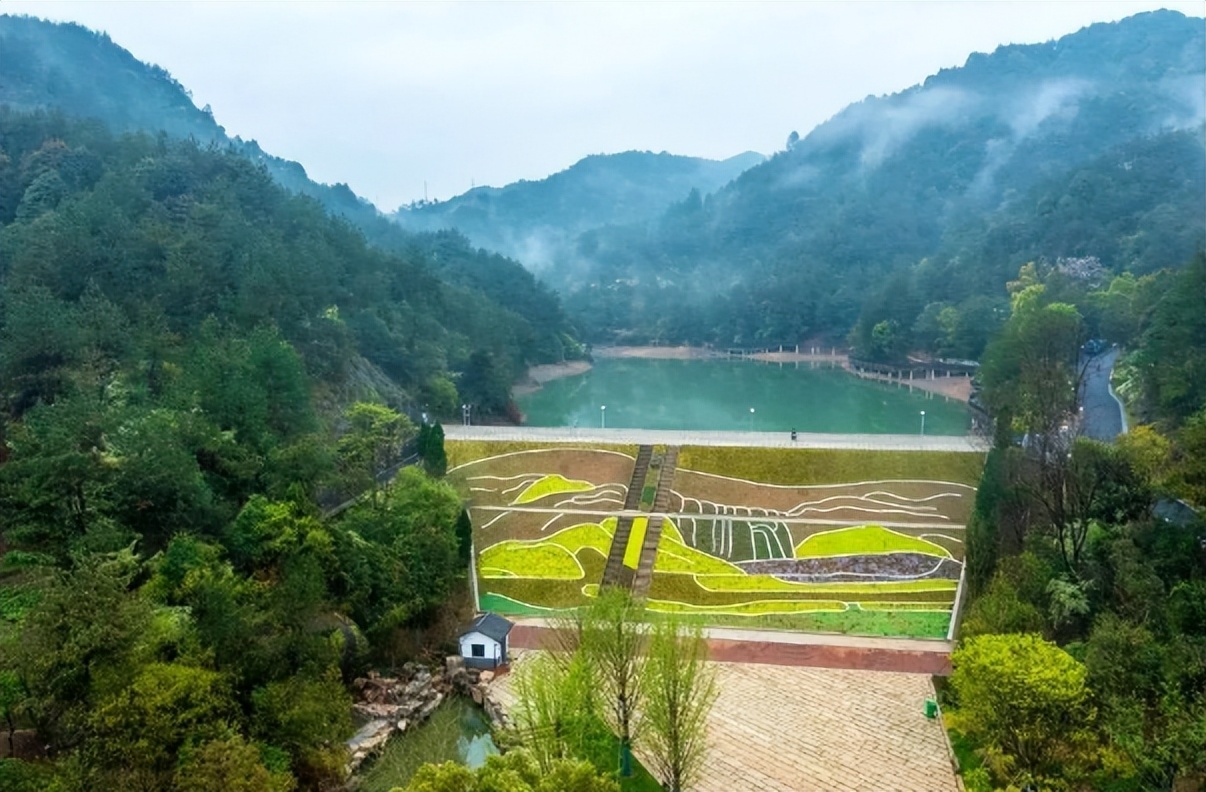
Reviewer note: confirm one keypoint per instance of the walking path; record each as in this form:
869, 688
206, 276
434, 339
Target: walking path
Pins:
868, 442
1102, 414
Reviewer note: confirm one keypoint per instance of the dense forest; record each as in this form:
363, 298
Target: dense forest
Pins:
1081, 661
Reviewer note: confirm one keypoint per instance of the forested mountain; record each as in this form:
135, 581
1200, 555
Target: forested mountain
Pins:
81, 73
536, 222
1089, 146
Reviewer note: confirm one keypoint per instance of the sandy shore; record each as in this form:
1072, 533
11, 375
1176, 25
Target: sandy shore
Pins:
538, 375
654, 352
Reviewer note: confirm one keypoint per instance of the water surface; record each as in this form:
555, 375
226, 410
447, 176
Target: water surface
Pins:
457, 731
641, 393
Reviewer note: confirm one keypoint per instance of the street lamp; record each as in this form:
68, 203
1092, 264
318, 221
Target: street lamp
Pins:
751, 419
923, 421
465, 409
602, 416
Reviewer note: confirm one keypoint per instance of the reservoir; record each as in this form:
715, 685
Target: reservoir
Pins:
641, 393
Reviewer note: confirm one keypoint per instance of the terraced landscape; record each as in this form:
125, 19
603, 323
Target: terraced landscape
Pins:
881, 555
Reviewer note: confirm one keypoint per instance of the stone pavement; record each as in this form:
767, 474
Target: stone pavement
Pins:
870, 442
790, 729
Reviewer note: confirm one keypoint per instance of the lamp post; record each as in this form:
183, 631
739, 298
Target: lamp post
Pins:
923, 421
465, 409
602, 416
751, 419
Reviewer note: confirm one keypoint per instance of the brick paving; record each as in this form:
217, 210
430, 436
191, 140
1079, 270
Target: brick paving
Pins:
793, 729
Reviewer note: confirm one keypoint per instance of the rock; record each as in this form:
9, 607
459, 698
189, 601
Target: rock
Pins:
402, 724
453, 663
476, 693
486, 677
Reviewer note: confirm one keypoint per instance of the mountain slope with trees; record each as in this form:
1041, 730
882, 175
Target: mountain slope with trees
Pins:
1086, 146
80, 73
536, 222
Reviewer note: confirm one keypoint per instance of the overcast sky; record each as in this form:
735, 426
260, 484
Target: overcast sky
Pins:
389, 96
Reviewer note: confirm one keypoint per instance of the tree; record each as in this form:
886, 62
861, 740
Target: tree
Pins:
515, 771
373, 441
230, 764
1021, 696
614, 638
556, 714
679, 694
435, 460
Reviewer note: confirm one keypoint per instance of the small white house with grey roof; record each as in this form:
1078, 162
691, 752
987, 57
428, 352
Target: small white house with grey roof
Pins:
484, 641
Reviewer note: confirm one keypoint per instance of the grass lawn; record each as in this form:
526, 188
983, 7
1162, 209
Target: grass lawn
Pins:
863, 539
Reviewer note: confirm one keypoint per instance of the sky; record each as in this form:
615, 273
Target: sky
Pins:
406, 100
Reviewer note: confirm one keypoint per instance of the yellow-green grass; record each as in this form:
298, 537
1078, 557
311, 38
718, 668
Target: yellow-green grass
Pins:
804, 466
754, 608
462, 452
552, 484
865, 540
756, 583
636, 538
674, 555
542, 559
593, 535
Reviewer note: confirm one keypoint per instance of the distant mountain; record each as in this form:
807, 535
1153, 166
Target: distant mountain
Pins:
966, 173
532, 221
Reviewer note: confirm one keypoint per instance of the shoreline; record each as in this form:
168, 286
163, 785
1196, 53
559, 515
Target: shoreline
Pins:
958, 388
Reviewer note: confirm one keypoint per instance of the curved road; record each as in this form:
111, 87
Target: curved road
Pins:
1102, 414
870, 442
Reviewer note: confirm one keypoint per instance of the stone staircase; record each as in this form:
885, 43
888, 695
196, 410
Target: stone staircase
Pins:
615, 573
661, 504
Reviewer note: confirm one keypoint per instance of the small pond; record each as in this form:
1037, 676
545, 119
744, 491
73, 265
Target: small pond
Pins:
457, 731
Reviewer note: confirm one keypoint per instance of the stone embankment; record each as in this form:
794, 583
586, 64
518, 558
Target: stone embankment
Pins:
392, 705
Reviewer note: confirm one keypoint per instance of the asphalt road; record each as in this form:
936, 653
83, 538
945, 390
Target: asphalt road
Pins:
703, 438
1102, 414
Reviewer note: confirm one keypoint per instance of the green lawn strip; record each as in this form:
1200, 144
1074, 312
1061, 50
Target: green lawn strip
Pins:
636, 538
542, 559
805, 466
755, 608
865, 540
762, 583
685, 588
898, 624
552, 484
462, 452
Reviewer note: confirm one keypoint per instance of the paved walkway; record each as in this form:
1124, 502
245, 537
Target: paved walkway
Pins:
788, 729
870, 442
1102, 413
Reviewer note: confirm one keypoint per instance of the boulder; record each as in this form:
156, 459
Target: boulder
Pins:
453, 663
476, 693
485, 677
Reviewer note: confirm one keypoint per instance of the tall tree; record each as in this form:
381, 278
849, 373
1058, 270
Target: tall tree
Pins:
679, 693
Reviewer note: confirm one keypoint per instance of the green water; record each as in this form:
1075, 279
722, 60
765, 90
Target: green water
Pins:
456, 732
718, 394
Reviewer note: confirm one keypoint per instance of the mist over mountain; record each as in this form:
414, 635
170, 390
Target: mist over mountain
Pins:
534, 221
941, 190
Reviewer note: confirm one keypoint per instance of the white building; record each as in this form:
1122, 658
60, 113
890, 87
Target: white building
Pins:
484, 641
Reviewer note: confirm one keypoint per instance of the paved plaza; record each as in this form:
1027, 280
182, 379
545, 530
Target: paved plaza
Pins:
792, 729
869, 442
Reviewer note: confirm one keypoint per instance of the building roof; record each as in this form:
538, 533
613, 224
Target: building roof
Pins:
490, 625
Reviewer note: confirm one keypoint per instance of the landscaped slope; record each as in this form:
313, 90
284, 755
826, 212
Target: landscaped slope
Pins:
876, 555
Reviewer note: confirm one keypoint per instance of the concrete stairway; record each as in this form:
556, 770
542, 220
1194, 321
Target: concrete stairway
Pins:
615, 573
661, 503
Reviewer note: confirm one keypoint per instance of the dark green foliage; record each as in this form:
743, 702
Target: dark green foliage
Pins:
431, 449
